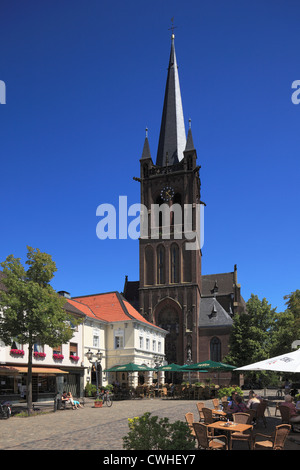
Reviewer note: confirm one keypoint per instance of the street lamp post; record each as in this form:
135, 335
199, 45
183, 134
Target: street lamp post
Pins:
98, 356
189, 362
157, 363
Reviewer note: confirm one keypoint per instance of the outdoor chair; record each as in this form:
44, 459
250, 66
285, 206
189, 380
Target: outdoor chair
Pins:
200, 406
275, 441
260, 412
285, 414
189, 417
208, 415
247, 436
163, 392
252, 414
216, 403
206, 441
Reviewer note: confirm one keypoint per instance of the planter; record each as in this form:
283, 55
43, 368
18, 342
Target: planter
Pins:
74, 358
98, 404
17, 352
38, 355
58, 357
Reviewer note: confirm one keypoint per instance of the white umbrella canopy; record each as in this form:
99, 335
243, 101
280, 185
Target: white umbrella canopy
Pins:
289, 362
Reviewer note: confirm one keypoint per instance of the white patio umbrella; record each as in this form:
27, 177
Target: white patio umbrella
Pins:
289, 362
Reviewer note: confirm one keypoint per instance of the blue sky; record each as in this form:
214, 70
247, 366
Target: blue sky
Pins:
84, 79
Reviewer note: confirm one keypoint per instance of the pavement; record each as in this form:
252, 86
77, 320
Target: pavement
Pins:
103, 428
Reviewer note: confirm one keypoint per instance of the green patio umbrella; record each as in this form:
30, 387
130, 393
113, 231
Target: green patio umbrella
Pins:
130, 367
172, 368
212, 365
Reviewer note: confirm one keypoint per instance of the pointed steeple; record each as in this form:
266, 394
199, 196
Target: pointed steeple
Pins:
146, 150
189, 140
172, 139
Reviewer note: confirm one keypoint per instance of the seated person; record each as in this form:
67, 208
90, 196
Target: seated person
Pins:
253, 401
238, 406
75, 403
64, 397
294, 416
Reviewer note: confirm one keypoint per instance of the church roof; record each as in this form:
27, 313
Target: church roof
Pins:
212, 314
224, 282
172, 139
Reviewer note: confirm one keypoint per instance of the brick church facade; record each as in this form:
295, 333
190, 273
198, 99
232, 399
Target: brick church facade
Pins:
197, 310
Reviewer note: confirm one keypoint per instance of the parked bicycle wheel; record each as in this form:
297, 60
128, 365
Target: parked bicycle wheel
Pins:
5, 412
108, 400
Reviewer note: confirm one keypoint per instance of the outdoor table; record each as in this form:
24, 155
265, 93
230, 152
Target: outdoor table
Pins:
221, 414
233, 427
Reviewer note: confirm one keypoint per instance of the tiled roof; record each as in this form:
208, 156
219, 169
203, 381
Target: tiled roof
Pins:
111, 307
73, 306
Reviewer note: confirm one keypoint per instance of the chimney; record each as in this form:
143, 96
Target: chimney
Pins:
65, 294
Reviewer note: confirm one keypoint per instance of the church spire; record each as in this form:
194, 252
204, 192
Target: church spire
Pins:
172, 139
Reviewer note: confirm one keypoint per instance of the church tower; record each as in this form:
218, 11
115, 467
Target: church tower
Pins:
170, 271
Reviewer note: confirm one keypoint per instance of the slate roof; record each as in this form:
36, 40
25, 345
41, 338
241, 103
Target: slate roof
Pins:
223, 281
212, 314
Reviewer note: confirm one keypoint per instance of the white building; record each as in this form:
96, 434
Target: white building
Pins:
115, 329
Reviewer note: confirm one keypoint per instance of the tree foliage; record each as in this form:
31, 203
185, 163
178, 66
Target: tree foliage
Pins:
260, 332
251, 336
287, 326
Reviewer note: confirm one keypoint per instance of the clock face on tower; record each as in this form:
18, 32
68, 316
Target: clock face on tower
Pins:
167, 193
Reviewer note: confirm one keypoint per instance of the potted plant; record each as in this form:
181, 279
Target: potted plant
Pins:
98, 403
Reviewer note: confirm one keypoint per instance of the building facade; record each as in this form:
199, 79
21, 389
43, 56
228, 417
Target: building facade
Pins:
114, 328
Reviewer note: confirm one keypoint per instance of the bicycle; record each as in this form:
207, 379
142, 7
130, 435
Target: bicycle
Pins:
107, 398
5, 410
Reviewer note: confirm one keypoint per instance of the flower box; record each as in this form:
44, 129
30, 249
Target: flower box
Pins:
58, 357
74, 358
39, 354
17, 352
98, 403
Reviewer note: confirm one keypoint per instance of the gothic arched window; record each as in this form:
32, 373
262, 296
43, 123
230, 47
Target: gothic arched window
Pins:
174, 263
215, 349
149, 265
160, 264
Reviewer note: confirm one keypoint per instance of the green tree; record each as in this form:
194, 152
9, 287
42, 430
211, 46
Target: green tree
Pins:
287, 326
251, 336
31, 309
